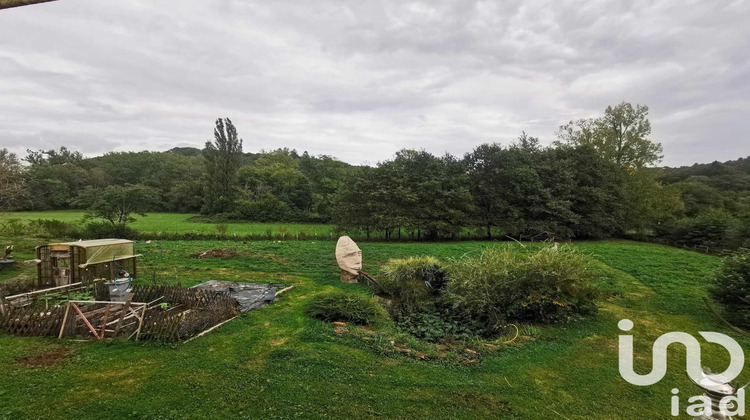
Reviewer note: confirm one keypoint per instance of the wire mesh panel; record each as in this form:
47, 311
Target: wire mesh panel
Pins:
44, 269
77, 256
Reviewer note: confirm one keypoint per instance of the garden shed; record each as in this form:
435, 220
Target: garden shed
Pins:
64, 263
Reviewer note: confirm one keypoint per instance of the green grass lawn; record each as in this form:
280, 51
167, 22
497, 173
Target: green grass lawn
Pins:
277, 363
178, 223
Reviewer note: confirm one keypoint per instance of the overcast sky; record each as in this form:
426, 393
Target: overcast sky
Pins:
360, 80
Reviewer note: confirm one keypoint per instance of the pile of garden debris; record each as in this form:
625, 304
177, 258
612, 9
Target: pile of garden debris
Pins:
215, 253
249, 295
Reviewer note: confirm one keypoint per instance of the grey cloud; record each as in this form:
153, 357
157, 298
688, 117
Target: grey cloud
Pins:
360, 80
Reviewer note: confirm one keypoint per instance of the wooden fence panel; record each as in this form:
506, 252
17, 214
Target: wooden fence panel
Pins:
188, 312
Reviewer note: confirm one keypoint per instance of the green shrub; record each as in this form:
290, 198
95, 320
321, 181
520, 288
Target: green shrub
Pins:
732, 287
17, 286
52, 228
99, 230
712, 228
55, 299
267, 208
222, 228
345, 307
413, 280
435, 326
13, 227
500, 285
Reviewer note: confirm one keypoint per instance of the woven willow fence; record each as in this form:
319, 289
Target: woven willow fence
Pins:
161, 313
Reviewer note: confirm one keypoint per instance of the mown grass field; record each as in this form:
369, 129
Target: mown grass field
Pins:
179, 223
277, 363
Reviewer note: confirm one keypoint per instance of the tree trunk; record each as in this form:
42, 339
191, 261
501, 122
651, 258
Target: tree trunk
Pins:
5, 4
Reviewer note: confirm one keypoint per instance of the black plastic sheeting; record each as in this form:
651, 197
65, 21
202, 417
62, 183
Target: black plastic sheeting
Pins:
249, 295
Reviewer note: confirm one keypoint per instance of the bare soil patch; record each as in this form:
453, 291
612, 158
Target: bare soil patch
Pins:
47, 359
215, 253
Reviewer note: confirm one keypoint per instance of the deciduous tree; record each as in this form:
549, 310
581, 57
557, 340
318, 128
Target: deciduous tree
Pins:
12, 186
117, 203
621, 135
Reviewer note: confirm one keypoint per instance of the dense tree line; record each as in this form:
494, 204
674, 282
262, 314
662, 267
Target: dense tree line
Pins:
522, 190
598, 179
280, 185
595, 181
715, 204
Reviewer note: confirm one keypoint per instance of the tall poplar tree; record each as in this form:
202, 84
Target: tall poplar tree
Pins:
223, 158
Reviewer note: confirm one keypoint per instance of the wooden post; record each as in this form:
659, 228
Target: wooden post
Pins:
42, 291
122, 315
104, 323
64, 321
3, 303
140, 324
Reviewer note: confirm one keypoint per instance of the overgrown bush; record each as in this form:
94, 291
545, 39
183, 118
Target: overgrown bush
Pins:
500, 285
732, 287
412, 280
712, 228
13, 227
222, 228
17, 286
99, 230
52, 228
345, 307
267, 208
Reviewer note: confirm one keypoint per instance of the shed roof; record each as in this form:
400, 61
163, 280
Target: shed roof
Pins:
96, 242
101, 250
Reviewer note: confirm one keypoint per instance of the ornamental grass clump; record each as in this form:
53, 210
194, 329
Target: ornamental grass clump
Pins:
413, 280
501, 286
345, 307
